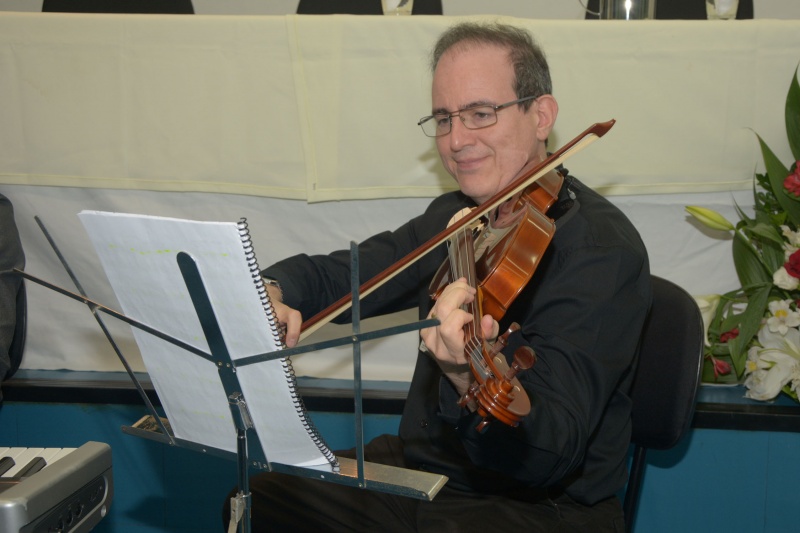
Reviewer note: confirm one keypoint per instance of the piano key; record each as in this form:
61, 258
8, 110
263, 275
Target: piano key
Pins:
50, 454
60, 453
12, 452
23, 456
33, 466
5, 464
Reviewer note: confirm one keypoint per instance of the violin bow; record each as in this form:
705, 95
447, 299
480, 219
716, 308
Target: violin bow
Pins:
584, 139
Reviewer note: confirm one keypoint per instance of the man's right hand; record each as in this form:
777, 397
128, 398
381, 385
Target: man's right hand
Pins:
289, 319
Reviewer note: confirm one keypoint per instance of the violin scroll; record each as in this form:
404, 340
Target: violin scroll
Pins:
501, 396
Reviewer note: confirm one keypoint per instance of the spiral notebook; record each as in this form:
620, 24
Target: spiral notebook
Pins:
138, 254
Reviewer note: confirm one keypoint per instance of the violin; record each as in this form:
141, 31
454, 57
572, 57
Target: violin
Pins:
498, 258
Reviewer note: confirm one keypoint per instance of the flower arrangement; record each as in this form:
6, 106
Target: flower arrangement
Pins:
753, 332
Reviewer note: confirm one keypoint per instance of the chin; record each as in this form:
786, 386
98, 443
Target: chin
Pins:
476, 188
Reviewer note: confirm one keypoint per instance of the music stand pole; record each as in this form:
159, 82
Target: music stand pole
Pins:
240, 504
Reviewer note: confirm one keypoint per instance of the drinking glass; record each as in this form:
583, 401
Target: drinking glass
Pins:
627, 9
397, 7
721, 9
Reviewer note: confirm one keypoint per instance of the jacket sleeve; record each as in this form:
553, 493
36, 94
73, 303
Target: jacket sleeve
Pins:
311, 283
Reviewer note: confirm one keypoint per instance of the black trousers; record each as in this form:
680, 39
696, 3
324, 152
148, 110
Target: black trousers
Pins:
295, 504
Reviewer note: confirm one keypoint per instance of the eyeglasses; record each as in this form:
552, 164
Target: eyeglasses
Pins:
474, 118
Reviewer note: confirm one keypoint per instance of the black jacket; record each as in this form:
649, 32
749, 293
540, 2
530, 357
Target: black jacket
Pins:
582, 313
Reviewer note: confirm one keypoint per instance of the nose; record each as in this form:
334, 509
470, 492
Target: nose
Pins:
460, 135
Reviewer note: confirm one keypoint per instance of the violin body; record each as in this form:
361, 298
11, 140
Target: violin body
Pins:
506, 256
505, 268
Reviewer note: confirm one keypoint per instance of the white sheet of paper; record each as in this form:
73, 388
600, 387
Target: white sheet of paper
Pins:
139, 256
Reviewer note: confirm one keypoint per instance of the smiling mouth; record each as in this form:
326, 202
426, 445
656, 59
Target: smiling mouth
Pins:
469, 164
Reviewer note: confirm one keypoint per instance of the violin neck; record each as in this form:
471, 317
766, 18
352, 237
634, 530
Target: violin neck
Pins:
461, 252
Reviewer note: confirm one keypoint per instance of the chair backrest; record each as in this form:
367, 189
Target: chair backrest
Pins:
669, 368
17, 345
666, 380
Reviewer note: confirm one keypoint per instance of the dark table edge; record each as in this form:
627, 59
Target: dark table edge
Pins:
377, 399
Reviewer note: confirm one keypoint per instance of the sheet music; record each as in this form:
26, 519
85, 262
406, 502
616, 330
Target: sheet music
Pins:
139, 254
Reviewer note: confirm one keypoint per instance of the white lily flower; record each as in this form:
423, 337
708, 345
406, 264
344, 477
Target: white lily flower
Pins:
710, 218
788, 342
766, 384
708, 304
753, 362
774, 364
792, 236
783, 317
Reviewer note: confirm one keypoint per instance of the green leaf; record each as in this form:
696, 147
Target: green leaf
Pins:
749, 267
722, 320
770, 243
793, 117
728, 323
767, 231
772, 256
749, 324
720, 349
742, 215
777, 173
788, 391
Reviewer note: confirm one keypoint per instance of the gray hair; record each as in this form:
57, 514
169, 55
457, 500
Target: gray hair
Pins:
532, 75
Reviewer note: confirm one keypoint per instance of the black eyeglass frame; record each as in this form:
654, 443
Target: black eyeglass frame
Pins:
450, 116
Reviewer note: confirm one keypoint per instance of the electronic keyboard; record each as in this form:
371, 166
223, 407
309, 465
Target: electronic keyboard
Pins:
54, 489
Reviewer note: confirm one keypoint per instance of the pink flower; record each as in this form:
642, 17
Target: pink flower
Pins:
720, 367
792, 181
728, 335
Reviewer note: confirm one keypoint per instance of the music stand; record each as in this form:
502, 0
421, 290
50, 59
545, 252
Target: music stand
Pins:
249, 453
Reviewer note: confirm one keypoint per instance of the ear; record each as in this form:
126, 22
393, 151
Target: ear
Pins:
546, 109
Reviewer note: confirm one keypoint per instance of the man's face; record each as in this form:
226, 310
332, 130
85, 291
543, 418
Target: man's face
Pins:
486, 160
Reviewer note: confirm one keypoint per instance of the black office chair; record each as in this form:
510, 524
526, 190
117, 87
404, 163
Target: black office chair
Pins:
17, 346
666, 380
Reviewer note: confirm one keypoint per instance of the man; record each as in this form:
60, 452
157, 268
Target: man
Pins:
582, 314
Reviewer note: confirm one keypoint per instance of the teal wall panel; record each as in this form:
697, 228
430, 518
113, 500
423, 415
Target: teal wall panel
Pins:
158, 488
714, 480
719, 480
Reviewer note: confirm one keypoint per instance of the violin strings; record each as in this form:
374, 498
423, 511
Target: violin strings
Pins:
459, 267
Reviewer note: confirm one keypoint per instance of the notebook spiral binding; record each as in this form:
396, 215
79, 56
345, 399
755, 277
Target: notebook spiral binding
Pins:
288, 369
